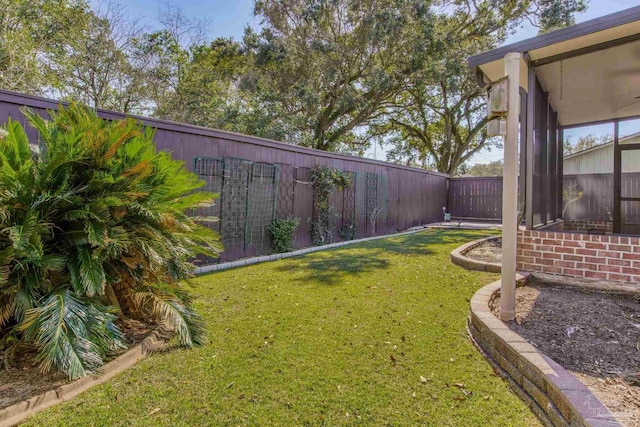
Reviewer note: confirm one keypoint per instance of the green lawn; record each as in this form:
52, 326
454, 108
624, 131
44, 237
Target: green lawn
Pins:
338, 337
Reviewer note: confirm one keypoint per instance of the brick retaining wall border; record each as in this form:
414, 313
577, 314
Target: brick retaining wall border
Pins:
555, 396
458, 257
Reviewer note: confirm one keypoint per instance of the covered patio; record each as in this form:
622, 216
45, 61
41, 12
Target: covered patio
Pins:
569, 81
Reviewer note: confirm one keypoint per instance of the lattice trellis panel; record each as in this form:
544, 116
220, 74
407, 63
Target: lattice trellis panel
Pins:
349, 201
210, 170
234, 199
371, 199
372, 195
253, 194
382, 197
262, 202
360, 196
286, 191
247, 203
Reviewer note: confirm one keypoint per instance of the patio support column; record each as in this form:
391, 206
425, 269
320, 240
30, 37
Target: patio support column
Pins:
510, 191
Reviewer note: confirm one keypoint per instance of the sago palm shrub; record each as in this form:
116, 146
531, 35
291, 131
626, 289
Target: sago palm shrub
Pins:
94, 225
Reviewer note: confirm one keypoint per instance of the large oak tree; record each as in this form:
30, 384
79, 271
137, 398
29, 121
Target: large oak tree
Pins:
439, 122
333, 66
328, 74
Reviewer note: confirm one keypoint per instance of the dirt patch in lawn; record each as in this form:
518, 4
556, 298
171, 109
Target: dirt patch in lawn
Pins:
487, 251
595, 335
20, 375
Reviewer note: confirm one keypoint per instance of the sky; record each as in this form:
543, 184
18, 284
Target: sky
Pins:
225, 18
228, 18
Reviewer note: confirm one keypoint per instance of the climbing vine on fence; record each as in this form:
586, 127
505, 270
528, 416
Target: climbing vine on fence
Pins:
325, 181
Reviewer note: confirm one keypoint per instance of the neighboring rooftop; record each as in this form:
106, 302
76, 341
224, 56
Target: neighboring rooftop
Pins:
624, 140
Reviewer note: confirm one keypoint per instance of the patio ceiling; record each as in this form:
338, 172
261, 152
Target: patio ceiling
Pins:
590, 70
597, 86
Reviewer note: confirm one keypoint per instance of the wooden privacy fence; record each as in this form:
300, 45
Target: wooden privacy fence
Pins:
260, 179
479, 198
596, 201
587, 197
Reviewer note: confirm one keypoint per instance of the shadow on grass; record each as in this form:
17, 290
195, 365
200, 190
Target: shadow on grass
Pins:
426, 242
335, 269
334, 266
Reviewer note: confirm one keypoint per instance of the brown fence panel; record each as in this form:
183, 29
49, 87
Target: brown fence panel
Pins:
397, 197
479, 198
587, 197
590, 197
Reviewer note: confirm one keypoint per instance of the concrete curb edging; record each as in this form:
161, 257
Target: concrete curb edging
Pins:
553, 394
12, 415
458, 257
265, 258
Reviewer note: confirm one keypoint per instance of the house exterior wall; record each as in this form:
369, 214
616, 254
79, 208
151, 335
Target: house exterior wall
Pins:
591, 162
600, 160
604, 257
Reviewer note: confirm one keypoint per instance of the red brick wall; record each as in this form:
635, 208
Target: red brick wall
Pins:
577, 225
579, 255
557, 225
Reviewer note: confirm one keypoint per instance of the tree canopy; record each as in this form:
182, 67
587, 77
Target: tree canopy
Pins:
33, 34
439, 120
334, 75
585, 142
494, 168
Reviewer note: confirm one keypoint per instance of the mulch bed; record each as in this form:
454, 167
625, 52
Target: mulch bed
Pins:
20, 375
593, 334
487, 251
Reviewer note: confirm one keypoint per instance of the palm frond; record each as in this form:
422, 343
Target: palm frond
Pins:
21, 234
187, 325
7, 308
91, 272
71, 334
15, 152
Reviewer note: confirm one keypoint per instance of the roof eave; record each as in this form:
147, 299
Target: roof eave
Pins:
592, 26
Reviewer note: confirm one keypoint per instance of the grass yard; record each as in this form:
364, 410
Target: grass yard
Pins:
371, 334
